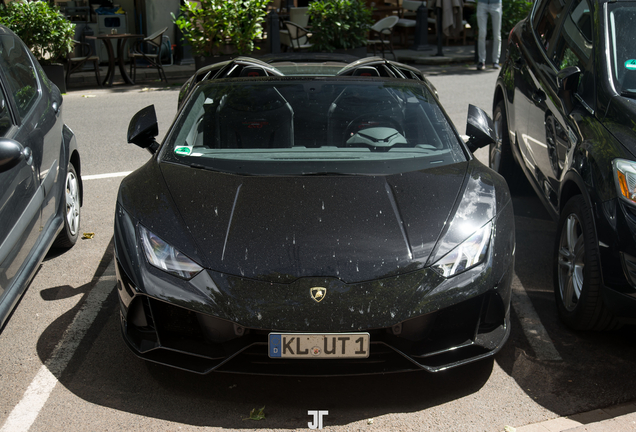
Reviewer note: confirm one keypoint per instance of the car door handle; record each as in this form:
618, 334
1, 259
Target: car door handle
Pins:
538, 96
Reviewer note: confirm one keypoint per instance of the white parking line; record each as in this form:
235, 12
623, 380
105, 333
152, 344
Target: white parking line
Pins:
34, 398
103, 176
531, 323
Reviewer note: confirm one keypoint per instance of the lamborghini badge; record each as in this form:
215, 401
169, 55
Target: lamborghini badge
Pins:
318, 293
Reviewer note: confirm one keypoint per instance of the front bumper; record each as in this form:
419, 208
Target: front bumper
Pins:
179, 337
219, 322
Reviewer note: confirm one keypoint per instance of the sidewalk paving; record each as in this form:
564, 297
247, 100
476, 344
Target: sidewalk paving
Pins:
613, 419
619, 418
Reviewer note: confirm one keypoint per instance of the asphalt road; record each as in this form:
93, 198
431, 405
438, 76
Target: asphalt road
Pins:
65, 367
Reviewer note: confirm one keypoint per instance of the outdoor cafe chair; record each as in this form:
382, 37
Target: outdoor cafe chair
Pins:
149, 51
77, 63
298, 37
381, 32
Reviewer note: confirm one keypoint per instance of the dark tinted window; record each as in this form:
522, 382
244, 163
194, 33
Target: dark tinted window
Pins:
546, 21
19, 72
5, 116
622, 29
574, 44
299, 126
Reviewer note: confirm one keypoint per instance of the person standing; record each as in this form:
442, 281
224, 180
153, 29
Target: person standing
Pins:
494, 9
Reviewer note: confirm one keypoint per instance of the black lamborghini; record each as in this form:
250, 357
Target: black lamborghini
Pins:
313, 218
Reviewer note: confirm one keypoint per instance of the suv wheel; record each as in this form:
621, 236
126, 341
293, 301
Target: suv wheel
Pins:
68, 236
577, 272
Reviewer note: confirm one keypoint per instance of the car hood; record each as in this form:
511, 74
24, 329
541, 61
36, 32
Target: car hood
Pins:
278, 229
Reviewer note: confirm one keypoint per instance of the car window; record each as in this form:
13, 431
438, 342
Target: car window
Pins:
546, 21
299, 126
5, 115
622, 30
574, 43
19, 72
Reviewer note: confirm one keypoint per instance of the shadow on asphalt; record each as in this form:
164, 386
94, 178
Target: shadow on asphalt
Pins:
597, 368
104, 371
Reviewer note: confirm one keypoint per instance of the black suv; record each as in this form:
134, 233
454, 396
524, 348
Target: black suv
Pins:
565, 110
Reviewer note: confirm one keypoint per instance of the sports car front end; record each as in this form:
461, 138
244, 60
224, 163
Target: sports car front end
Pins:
370, 243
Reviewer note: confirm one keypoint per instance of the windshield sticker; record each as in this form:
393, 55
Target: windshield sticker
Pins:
630, 64
183, 151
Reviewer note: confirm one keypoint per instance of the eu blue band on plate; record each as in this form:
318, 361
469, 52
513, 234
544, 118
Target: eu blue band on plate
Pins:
274, 345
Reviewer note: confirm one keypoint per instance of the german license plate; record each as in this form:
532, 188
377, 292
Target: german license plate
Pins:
321, 346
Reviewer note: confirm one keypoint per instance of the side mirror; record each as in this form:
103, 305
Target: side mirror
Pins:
567, 84
479, 129
11, 153
144, 128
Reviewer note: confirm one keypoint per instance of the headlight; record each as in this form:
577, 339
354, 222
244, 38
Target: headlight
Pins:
625, 179
165, 257
469, 253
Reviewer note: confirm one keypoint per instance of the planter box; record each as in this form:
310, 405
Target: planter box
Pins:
55, 73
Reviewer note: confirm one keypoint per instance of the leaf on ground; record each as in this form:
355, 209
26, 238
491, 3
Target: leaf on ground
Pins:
257, 414
88, 236
509, 429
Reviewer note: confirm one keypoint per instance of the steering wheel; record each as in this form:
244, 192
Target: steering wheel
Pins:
366, 121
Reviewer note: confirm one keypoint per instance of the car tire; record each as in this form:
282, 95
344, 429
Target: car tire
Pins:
500, 157
71, 209
577, 270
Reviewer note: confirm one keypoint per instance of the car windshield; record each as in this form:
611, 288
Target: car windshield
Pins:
289, 126
622, 31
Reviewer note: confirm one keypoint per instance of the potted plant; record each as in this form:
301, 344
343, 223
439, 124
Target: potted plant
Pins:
340, 26
215, 28
43, 29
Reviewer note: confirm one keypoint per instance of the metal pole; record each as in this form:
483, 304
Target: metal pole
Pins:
274, 32
421, 29
438, 27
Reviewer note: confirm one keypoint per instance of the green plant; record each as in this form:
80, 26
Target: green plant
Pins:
339, 24
213, 26
513, 11
41, 27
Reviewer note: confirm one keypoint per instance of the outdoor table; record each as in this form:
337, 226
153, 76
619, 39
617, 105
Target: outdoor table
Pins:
121, 51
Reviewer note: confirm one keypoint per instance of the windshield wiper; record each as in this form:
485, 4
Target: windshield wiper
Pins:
628, 93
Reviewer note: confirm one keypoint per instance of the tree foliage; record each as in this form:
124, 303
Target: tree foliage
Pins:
47, 33
212, 26
339, 24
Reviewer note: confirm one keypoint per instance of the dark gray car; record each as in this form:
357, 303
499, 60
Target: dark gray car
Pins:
41, 190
